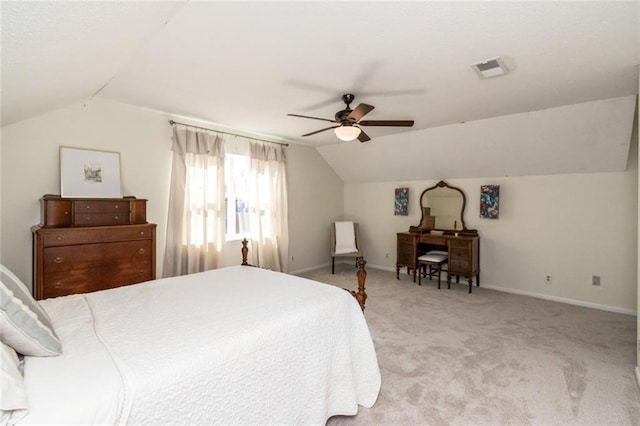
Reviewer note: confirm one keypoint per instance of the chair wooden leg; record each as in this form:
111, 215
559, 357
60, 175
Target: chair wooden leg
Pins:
439, 271
333, 265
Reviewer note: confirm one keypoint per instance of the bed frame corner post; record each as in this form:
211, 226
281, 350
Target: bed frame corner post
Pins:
361, 295
245, 251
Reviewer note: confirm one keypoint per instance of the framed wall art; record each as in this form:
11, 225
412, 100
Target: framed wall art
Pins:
89, 173
490, 201
402, 202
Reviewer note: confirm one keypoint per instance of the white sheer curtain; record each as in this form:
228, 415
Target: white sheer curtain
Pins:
195, 224
268, 208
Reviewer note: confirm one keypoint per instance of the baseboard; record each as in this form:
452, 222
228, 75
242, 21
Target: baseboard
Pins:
503, 289
562, 300
312, 268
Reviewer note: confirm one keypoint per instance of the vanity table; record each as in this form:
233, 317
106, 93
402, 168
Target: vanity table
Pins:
441, 227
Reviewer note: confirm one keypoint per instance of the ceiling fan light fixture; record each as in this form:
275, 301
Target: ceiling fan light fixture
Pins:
347, 133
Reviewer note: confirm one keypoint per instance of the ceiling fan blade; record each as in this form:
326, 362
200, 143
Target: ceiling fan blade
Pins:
313, 118
392, 123
360, 111
363, 137
321, 130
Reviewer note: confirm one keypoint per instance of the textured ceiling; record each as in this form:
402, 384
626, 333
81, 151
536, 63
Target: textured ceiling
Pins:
245, 65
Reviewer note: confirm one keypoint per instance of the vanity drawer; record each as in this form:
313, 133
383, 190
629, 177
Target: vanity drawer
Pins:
460, 242
406, 238
433, 239
405, 255
459, 258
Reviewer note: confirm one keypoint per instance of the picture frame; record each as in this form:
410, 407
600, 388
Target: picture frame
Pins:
89, 173
401, 202
490, 201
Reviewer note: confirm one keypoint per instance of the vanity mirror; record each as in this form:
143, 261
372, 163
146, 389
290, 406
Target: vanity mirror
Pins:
442, 208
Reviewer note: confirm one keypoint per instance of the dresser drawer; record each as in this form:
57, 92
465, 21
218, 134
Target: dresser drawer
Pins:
57, 213
67, 258
100, 206
97, 219
85, 256
126, 274
70, 236
74, 281
127, 253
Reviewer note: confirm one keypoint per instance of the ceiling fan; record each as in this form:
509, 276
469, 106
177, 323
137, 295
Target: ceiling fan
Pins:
349, 121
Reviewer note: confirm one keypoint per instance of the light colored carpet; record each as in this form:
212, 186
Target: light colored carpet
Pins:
489, 358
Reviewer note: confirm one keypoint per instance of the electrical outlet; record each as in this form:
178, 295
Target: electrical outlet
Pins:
595, 280
547, 279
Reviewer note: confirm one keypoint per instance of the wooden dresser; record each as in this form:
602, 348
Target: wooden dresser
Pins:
85, 245
463, 251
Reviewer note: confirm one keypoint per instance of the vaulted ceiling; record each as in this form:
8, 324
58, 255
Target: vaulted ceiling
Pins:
573, 75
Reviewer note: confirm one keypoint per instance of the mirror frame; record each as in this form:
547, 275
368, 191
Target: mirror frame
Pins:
443, 184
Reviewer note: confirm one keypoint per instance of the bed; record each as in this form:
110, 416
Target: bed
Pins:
236, 345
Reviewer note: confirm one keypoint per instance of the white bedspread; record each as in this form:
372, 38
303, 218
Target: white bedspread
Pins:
237, 345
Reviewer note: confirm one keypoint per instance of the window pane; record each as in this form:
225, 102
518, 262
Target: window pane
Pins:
237, 195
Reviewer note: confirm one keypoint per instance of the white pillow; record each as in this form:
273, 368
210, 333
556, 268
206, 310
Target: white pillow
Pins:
24, 325
13, 398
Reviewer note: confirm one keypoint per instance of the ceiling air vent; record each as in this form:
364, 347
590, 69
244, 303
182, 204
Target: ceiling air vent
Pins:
493, 67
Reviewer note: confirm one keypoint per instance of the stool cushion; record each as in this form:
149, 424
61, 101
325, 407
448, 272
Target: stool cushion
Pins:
438, 252
436, 258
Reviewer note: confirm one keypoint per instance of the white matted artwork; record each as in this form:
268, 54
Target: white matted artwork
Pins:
89, 173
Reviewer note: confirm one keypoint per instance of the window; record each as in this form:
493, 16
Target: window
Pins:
236, 182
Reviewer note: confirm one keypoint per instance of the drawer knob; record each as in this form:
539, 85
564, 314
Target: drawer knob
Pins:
88, 206
59, 238
58, 259
116, 217
58, 284
66, 213
141, 251
141, 232
116, 206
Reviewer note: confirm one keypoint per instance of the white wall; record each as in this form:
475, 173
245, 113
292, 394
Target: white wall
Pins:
30, 169
568, 226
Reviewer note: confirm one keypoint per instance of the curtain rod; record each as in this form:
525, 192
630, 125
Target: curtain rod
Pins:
172, 122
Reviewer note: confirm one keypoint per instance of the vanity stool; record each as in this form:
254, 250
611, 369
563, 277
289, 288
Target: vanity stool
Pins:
434, 259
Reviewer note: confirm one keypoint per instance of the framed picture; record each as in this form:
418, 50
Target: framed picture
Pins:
89, 173
490, 201
402, 202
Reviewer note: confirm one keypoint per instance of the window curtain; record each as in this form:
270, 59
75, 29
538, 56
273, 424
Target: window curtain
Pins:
195, 223
268, 207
